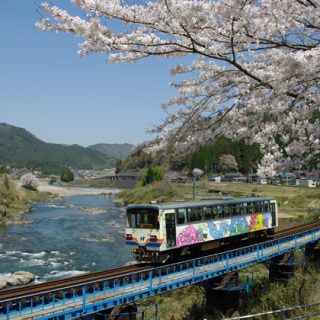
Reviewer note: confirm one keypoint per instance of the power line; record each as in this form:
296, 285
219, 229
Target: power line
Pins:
278, 311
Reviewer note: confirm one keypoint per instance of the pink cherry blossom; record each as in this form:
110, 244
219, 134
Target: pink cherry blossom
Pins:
255, 72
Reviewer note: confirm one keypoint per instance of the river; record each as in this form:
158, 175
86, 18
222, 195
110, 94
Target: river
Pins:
68, 237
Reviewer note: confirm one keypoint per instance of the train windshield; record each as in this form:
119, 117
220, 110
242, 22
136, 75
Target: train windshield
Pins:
143, 218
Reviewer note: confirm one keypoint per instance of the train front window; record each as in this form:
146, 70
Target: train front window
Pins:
143, 218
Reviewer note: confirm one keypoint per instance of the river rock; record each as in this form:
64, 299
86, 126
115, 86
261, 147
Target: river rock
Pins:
3, 283
20, 278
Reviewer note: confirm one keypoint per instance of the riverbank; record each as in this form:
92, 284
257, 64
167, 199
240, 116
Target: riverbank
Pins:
20, 200
67, 190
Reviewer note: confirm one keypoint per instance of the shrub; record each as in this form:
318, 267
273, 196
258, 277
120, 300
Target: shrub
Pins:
182, 304
153, 173
7, 194
66, 175
299, 290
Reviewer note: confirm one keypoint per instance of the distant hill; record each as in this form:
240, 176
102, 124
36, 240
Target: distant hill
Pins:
116, 151
20, 148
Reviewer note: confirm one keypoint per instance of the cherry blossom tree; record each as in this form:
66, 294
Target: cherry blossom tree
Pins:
29, 181
254, 74
228, 162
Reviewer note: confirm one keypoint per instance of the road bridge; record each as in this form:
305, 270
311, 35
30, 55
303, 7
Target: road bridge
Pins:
71, 301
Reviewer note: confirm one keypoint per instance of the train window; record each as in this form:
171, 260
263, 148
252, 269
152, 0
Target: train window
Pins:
143, 218
182, 216
244, 208
250, 208
210, 212
259, 206
266, 206
220, 211
195, 214
132, 220
236, 209
255, 207
216, 212
227, 210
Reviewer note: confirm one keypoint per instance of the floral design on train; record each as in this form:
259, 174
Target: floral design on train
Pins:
189, 235
238, 225
218, 229
212, 230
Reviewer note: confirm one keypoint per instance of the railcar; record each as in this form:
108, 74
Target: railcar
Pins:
159, 232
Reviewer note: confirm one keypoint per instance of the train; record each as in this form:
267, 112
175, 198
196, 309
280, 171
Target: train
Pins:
157, 233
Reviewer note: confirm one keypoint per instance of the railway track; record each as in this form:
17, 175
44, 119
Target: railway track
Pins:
290, 231
25, 291
120, 273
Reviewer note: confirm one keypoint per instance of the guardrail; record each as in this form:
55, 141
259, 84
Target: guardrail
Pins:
92, 297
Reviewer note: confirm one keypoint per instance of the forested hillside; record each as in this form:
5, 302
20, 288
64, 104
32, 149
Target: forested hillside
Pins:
114, 150
207, 158
20, 148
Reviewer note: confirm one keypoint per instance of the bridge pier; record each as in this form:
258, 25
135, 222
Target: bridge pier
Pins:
312, 253
223, 293
282, 267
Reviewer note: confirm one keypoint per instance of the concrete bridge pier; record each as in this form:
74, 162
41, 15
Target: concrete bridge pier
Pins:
282, 267
223, 293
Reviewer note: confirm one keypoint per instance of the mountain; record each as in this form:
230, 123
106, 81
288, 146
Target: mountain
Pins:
20, 148
116, 151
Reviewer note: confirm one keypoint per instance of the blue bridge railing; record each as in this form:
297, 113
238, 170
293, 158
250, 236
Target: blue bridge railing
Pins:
92, 297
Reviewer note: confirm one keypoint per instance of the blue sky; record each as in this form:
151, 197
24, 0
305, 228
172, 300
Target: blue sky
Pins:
50, 91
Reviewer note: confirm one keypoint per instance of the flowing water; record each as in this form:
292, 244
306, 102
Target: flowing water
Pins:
68, 237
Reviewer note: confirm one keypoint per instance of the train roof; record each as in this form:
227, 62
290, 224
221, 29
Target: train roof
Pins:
183, 204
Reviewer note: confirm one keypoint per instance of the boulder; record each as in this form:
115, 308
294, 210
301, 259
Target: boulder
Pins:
20, 278
3, 283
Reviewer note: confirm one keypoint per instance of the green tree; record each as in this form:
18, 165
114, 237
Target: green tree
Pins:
153, 173
7, 194
66, 175
3, 169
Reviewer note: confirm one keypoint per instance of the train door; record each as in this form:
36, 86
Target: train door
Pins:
171, 229
273, 209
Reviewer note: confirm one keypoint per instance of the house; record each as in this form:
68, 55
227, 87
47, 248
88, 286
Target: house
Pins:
307, 183
234, 177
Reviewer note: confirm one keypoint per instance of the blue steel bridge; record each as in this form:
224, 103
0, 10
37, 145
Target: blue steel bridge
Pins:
84, 296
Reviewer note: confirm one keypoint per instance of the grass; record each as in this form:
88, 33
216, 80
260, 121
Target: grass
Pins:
291, 199
160, 191
185, 303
